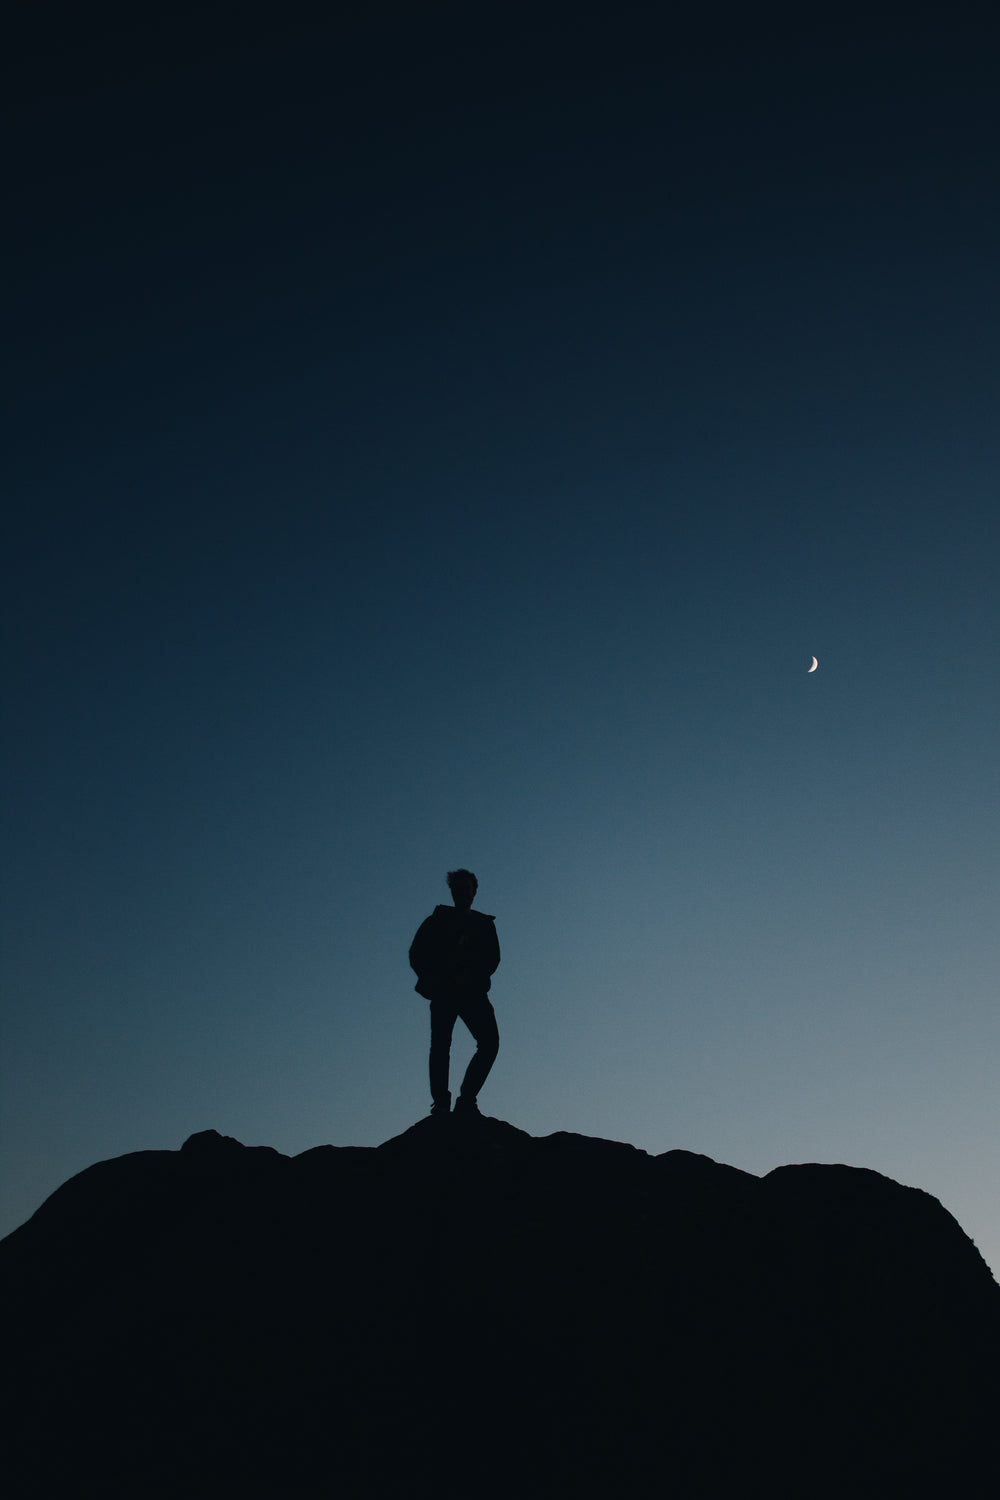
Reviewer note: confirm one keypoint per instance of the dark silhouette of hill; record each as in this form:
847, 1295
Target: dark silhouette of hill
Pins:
470, 1311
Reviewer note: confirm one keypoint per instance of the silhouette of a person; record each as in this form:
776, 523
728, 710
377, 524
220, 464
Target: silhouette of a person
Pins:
454, 955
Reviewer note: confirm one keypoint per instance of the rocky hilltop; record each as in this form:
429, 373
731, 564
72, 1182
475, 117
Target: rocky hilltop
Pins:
467, 1310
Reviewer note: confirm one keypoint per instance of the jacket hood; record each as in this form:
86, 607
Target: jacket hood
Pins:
472, 913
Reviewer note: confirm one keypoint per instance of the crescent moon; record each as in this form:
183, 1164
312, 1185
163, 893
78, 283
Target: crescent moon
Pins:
814, 665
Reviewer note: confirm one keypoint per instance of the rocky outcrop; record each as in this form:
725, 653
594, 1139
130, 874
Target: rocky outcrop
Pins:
470, 1310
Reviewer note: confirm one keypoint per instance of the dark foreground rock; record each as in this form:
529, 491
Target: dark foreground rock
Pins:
469, 1311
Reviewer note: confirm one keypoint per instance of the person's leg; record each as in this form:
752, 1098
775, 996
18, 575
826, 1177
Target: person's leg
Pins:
443, 1014
480, 1017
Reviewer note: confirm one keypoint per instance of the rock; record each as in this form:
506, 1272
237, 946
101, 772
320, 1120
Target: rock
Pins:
469, 1309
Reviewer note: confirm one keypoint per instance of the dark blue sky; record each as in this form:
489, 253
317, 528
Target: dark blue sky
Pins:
443, 435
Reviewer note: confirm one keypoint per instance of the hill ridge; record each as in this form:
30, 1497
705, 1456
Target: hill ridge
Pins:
224, 1319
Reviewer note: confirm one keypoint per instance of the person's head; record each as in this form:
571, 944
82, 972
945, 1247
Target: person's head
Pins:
463, 886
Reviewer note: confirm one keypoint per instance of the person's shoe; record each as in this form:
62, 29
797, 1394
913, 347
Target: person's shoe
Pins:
441, 1106
467, 1107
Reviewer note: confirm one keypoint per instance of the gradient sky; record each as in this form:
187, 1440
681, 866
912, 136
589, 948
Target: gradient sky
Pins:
443, 435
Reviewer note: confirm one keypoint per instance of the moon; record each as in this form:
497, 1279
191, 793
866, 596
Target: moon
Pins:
814, 665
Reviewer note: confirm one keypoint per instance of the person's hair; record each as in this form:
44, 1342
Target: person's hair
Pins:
454, 875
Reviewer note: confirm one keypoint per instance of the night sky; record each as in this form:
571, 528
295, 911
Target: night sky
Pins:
443, 435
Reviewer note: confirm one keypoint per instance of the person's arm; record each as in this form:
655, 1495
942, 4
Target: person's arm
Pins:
489, 948
427, 955
422, 946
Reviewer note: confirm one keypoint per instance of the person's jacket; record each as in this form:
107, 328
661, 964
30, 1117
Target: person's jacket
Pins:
454, 950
